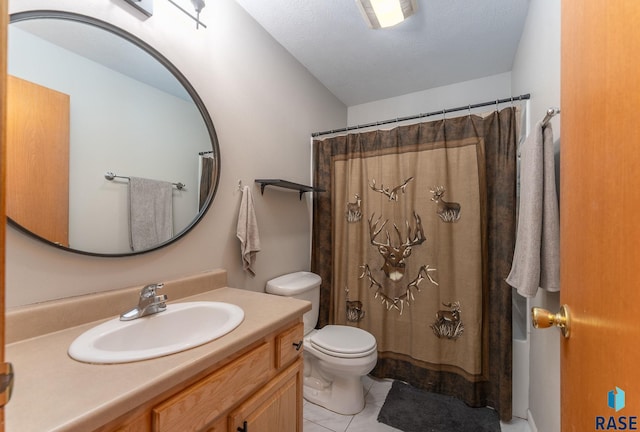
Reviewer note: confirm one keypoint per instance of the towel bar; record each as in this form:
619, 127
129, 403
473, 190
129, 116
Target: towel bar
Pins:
110, 176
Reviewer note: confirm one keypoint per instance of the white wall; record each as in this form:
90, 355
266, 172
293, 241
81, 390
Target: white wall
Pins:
427, 101
537, 70
264, 106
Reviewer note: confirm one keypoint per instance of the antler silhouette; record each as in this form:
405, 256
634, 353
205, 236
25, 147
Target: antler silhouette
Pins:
391, 193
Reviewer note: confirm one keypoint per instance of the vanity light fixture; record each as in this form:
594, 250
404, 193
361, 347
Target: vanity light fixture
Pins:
144, 6
386, 13
198, 5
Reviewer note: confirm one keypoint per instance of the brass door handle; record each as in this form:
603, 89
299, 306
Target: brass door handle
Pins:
542, 318
6, 383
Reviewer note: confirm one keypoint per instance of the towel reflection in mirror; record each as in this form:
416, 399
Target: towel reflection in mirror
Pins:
150, 212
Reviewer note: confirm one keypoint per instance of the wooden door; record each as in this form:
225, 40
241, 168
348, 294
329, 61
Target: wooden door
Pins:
600, 214
4, 18
38, 159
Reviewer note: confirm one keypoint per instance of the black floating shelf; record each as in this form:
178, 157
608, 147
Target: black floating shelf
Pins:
286, 185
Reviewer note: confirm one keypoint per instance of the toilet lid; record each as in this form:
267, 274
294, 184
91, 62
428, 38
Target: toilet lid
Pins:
344, 341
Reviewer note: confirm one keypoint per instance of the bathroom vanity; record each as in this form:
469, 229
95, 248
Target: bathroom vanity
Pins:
249, 379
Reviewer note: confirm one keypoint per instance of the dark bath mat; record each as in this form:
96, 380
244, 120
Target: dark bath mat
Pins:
413, 410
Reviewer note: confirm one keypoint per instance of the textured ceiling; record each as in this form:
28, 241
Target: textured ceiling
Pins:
446, 42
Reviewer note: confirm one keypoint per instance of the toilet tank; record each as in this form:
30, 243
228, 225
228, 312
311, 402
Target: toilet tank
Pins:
301, 285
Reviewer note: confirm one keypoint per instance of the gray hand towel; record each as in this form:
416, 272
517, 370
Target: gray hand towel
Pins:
536, 259
150, 213
247, 231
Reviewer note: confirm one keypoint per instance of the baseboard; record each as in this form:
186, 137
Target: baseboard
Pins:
532, 423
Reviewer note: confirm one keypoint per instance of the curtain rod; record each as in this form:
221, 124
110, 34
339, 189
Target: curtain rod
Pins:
413, 117
549, 115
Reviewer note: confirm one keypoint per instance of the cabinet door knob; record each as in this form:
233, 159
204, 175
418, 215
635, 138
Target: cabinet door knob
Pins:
243, 428
298, 345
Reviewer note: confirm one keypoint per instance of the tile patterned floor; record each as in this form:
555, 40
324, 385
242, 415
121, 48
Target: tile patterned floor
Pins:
317, 419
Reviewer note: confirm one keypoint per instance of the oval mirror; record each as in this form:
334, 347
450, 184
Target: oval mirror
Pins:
110, 150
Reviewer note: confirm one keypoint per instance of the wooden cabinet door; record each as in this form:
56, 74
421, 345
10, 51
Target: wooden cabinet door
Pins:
37, 183
202, 403
275, 407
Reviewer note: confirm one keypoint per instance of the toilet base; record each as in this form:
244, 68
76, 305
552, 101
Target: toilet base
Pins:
342, 395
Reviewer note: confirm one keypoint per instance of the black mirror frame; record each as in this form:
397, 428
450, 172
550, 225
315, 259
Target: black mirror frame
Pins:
71, 16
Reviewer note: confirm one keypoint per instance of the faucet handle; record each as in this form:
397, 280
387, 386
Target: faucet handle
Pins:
150, 290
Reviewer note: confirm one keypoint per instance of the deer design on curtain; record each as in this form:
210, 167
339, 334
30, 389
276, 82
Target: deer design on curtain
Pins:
394, 266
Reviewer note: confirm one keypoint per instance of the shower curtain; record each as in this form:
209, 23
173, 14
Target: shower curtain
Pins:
207, 176
413, 239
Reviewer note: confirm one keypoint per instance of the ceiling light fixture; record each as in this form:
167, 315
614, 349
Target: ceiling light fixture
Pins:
386, 13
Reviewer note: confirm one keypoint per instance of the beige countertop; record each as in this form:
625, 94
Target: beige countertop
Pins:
53, 392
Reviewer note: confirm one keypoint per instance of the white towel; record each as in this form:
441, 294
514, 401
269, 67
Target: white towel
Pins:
536, 259
150, 213
247, 231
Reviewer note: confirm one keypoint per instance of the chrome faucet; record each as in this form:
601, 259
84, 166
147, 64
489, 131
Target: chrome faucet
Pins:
148, 304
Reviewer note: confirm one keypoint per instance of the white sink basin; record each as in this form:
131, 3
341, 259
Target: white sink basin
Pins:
180, 327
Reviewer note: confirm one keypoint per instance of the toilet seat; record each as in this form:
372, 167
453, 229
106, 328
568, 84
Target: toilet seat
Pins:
343, 341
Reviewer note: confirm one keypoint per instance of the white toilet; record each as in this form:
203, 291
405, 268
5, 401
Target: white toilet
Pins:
336, 357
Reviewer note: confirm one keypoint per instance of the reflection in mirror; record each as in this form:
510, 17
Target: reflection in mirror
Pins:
86, 98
